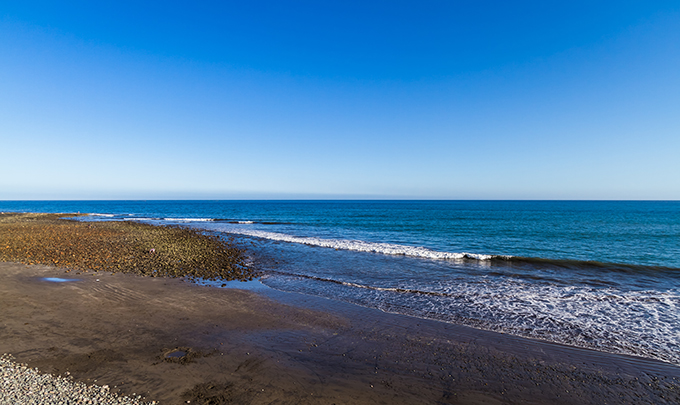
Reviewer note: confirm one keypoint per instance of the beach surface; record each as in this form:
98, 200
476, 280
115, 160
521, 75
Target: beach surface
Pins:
173, 341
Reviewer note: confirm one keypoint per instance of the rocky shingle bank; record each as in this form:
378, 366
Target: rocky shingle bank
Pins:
119, 246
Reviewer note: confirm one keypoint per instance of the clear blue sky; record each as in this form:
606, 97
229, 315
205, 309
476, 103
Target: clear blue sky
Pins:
340, 99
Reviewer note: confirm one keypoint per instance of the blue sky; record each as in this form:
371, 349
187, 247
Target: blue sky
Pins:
301, 99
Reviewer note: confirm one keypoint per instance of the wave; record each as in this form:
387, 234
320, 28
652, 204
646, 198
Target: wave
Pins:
363, 246
364, 286
132, 217
603, 295
189, 219
249, 222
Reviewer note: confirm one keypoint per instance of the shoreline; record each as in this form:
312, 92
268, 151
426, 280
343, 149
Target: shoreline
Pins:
247, 347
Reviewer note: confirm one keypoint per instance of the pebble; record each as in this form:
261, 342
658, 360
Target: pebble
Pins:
20, 384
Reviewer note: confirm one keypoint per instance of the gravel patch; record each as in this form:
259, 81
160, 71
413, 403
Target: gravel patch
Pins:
20, 384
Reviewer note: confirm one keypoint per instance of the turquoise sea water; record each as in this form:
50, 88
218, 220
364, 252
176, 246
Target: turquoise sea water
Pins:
596, 274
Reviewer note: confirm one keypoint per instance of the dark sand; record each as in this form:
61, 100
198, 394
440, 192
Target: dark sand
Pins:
244, 348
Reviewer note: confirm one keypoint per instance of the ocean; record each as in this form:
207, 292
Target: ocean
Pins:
602, 275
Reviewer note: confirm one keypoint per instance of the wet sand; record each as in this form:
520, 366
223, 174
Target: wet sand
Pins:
236, 346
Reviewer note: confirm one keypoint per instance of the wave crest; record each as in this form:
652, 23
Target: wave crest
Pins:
363, 246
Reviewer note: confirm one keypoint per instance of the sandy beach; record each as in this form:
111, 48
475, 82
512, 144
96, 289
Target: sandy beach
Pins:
236, 346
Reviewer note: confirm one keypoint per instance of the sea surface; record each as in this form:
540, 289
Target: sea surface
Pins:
603, 275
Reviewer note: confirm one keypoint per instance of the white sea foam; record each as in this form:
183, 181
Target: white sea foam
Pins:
644, 323
362, 246
245, 222
102, 215
189, 219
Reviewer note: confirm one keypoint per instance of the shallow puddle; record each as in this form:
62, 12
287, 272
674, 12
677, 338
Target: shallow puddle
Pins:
176, 354
59, 280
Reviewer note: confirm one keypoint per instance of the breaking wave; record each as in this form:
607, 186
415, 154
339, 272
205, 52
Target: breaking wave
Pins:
364, 246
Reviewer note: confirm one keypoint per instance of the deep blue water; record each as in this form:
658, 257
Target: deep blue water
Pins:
597, 274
